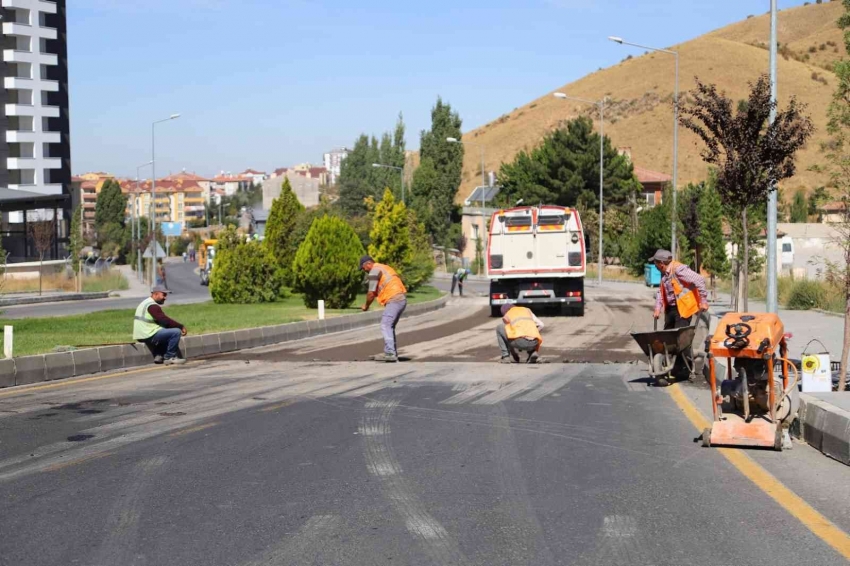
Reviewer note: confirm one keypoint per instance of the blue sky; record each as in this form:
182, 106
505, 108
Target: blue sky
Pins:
268, 83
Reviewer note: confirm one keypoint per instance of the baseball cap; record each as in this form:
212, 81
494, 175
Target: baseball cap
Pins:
506, 308
364, 260
661, 255
159, 289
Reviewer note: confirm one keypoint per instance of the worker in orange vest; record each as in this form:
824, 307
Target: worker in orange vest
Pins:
386, 286
519, 331
683, 300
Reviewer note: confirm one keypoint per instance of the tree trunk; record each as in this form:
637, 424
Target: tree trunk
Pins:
845, 350
40, 272
745, 268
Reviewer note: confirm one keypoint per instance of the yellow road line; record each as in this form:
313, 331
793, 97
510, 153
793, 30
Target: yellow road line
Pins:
68, 382
819, 525
277, 406
62, 465
192, 429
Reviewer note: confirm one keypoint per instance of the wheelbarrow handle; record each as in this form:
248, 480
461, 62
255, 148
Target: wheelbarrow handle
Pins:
655, 323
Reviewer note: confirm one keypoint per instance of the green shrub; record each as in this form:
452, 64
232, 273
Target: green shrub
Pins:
806, 295
283, 218
326, 266
421, 266
245, 273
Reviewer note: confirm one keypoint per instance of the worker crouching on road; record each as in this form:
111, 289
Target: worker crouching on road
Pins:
387, 287
683, 300
457, 280
519, 331
158, 332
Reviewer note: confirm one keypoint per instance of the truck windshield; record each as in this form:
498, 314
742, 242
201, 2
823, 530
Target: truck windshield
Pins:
517, 221
556, 220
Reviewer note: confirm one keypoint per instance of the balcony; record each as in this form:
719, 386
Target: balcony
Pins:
13, 28
14, 56
20, 110
48, 58
20, 163
51, 163
18, 83
40, 189
43, 5
49, 85
19, 136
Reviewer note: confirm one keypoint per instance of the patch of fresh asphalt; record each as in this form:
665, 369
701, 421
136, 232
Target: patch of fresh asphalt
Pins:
240, 462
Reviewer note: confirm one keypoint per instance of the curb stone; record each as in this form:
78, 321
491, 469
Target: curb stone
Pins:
53, 298
825, 427
27, 370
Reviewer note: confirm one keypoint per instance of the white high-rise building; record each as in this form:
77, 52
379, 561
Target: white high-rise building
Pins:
35, 156
333, 161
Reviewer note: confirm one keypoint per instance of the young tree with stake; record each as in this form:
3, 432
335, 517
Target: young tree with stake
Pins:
42, 232
751, 155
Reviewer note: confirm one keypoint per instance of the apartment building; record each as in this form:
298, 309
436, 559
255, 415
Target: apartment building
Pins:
35, 160
333, 162
176, 200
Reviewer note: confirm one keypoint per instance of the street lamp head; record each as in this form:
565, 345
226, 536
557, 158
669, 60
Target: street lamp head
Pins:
377, 165
519, 202
452, 140
616, 39
174, 116
560, 95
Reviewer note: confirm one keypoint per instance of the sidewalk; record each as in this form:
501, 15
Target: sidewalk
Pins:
137, 288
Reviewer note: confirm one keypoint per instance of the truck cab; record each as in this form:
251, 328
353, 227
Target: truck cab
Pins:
536, 257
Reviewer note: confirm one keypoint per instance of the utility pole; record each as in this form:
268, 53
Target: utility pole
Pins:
772, 299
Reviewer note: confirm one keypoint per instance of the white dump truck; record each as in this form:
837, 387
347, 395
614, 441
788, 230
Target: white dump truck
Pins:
536, 256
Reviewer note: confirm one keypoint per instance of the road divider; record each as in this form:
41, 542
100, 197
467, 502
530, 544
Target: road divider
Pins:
27, 370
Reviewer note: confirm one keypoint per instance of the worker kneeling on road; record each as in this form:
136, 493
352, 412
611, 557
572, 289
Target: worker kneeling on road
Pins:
158, 332
683, 300
387, 287
520, 331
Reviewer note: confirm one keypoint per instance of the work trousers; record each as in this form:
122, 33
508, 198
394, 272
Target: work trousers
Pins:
508, 346
672, 319
457, 283
389, 320
166, 343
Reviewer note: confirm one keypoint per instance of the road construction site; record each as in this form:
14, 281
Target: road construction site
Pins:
308, 453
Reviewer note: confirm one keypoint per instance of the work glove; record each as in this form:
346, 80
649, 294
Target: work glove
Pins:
703, 307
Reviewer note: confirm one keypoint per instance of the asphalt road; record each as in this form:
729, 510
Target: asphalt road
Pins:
271, 457
182, 281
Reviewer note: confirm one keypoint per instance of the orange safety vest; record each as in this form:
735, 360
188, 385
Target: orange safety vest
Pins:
687, 302
389, 285
521, 325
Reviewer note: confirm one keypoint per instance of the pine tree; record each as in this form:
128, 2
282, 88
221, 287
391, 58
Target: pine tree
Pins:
710, 240
390, 235
75, 241
799, 207
421, 266
280, 227
111, 205
326, 266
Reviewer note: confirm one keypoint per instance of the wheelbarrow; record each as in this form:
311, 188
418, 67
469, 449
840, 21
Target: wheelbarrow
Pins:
664, 347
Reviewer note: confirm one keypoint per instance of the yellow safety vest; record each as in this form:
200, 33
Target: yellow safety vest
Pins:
389, 284
687, 302
521, 325
144, 325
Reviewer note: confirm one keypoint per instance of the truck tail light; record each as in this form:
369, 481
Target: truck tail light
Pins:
499, 296
573, 294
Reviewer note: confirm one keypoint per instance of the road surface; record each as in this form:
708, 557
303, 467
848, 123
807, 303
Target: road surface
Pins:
182, 281
301, 455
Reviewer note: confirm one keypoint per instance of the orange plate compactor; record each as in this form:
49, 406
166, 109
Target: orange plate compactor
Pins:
758, 399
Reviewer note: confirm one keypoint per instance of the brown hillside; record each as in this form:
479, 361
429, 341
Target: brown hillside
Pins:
639, 95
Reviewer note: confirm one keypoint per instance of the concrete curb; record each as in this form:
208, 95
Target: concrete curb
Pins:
27, 370
53, 298
825, 427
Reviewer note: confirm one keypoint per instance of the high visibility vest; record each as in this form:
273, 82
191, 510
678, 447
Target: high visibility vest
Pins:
521, 325
687, 302
144, 325
389, 284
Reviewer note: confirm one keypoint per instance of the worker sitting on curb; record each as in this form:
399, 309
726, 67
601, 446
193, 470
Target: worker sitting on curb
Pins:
387, 287
158, 332
457, 280
520, 331
681, 297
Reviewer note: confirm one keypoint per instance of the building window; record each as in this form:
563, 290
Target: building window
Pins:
650, 199
475, 231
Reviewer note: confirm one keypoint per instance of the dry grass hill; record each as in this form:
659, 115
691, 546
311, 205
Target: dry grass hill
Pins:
639, 95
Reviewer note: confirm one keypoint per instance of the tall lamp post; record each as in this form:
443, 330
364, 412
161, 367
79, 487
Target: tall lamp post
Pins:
137, 215
621, 41
484, 183
601, 105
400, 169
153, 191
772, 299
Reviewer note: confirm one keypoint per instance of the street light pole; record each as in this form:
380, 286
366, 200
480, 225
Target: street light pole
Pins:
675, 134
601, 105
400, 169
153, 191
772, 299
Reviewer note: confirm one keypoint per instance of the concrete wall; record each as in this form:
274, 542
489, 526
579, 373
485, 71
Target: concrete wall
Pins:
307, 190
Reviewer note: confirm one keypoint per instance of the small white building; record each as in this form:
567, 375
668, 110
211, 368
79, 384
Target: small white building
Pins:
333, 162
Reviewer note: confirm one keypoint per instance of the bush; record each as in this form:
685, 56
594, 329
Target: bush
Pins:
390, 235
245, 273
806, 295
327, 264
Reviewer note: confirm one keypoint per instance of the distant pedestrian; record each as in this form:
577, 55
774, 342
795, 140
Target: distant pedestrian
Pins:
160, 276
158, 332
458, 277
185, 257
386, 286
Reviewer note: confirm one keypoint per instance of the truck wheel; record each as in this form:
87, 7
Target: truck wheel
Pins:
572, 310
495, 311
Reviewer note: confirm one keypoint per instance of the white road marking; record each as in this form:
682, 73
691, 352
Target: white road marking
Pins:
548, 387
304, 546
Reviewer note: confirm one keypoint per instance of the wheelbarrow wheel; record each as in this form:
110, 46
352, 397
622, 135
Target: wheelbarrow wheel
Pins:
777, 441
706, 438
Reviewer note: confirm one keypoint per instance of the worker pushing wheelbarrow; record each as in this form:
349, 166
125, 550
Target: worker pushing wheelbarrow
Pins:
683, 302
